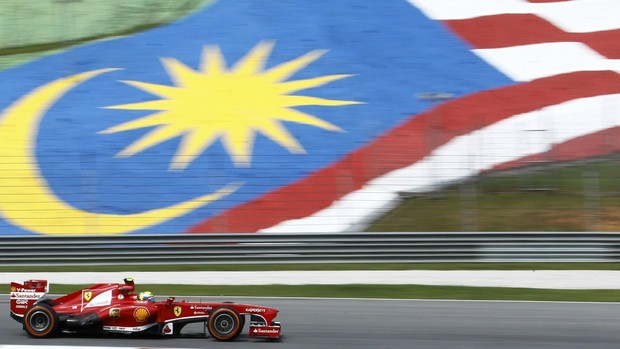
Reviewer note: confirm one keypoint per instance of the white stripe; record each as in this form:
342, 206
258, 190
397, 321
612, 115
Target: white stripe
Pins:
571, 16
463, 157
581, 16
185, 317
529, 62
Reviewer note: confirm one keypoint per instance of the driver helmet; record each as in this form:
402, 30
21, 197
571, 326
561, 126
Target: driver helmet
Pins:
146, 296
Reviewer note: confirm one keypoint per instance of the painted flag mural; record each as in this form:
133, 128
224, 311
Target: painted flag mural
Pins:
297, 115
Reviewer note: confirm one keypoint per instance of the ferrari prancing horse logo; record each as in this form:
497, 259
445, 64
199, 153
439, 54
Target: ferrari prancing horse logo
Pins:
88, 295
177, 311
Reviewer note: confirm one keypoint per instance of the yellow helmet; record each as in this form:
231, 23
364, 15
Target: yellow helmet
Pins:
146, 296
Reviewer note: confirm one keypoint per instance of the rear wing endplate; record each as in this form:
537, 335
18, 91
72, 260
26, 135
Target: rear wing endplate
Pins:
25, 294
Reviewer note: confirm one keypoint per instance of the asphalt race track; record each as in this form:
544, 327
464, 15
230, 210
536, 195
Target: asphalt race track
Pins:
331, 323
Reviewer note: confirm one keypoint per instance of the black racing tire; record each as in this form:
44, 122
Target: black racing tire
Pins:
224, 324
40, 321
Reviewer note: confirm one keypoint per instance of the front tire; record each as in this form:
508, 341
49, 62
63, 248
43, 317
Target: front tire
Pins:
40, 321
224, 324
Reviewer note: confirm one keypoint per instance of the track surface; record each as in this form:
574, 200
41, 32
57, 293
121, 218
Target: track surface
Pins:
328, 323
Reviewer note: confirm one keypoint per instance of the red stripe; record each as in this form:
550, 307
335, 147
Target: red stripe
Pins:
405, 145
607, 43
525, 29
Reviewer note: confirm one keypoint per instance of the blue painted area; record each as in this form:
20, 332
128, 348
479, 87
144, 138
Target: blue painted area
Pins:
392, 49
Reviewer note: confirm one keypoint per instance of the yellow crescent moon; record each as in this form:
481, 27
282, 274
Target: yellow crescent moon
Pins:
26, 199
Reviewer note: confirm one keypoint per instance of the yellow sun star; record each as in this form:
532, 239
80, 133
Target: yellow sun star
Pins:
228, 104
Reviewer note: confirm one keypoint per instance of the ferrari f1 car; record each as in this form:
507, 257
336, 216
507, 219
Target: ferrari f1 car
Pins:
115, 308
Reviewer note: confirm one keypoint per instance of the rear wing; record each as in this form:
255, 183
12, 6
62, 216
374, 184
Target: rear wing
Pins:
25, 294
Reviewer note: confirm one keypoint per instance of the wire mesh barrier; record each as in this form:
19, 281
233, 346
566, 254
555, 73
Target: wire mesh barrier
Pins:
308, 248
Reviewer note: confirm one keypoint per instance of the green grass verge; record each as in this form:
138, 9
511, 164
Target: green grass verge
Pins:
376, 291
44, 32
574, 196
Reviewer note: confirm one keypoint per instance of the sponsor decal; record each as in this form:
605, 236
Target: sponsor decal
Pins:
127, 329
200, 307
177, 311
266, 330
21, 303
255, 310
117, 328
88, 295
168, 329
121, 297
25, 290
13, 288
27, 295
115, 313
141, 314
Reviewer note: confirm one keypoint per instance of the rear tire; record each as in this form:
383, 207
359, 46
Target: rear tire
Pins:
40, 321
224, 324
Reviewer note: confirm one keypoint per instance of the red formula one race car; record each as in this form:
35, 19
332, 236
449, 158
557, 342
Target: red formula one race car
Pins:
114, 308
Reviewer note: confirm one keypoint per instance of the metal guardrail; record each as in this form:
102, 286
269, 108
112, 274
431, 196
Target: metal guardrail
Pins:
309, 248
